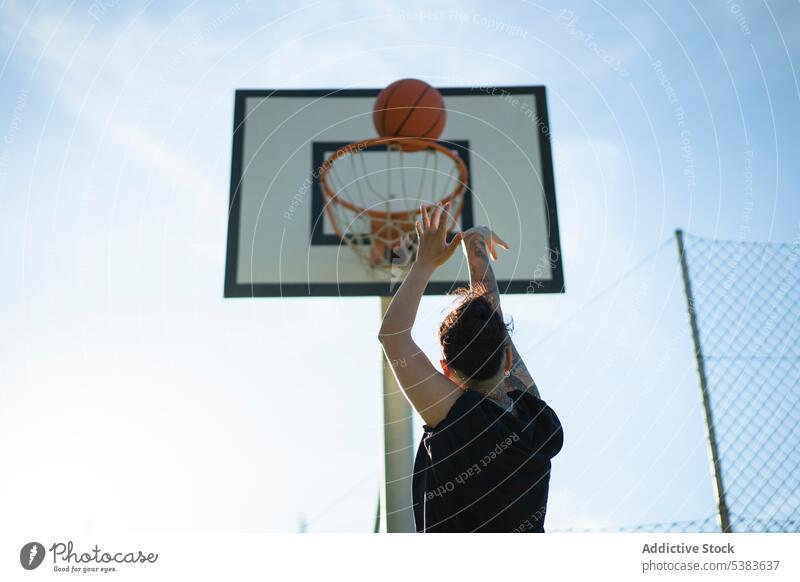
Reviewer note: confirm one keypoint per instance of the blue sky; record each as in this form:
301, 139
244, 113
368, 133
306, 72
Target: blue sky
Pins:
150, 403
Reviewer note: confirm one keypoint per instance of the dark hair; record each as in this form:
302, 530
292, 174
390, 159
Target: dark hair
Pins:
473, 336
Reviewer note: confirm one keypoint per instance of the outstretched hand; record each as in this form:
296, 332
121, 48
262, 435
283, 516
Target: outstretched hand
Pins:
485, 235
433, 249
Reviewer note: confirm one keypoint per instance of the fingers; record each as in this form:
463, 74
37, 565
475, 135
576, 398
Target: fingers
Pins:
455, 242
453, 245
426, 220
437, 217
491, 240
491, 249
444, 218
501, 242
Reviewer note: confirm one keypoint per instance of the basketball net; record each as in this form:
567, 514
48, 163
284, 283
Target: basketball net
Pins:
373, 209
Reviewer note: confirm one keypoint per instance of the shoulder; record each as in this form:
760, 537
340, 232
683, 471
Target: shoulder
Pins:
473, 421
469, 406
541, 421
533, 405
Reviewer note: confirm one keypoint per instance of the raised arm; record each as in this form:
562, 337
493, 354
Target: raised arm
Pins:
429, 391
478, 244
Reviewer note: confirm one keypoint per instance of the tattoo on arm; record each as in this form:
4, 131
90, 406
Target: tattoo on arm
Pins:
481, 273
519, 378
480, 269
514, 383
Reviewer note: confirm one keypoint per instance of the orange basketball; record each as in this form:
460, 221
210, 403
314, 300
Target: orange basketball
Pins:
409, 108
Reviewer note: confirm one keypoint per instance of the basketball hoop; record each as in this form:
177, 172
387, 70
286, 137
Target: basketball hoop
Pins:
377, 222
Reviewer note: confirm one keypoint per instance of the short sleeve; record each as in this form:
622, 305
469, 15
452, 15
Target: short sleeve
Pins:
542, 426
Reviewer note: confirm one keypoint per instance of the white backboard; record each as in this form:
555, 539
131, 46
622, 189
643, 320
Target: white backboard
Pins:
280, 242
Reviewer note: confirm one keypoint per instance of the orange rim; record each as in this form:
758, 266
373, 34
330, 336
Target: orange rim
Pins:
332, 197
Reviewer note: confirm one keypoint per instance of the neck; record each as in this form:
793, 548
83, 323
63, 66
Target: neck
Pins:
491, 388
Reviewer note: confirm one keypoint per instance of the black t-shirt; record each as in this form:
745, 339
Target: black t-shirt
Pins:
483, 469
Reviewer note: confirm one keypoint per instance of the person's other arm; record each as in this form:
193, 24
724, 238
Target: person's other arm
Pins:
478, 244
429, 391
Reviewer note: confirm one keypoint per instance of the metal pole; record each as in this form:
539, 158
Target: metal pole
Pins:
711, 435
396, 513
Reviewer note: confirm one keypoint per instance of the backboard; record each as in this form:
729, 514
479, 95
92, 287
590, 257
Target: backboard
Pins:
281, 242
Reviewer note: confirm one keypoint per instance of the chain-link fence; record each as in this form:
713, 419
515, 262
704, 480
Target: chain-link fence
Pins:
746, 303
743, 302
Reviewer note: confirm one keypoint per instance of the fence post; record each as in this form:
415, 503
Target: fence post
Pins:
711, 435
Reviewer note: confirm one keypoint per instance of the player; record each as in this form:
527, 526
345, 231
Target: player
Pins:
484, 461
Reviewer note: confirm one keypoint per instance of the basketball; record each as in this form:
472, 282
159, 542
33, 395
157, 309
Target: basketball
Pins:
409, 108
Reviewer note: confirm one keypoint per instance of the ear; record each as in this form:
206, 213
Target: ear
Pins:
445, 369
509, 359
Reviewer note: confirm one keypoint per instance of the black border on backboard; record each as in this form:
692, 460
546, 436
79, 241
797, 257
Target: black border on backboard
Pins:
235, 289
